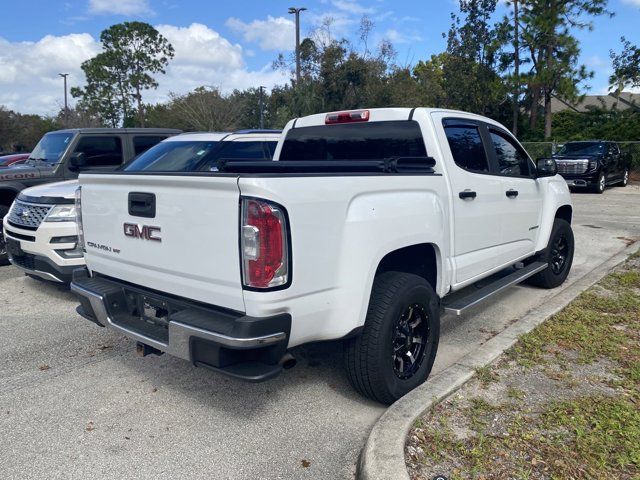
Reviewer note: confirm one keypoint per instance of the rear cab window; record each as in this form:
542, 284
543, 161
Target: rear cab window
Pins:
354, 141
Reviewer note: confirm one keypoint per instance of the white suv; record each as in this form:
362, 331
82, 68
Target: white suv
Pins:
40, 227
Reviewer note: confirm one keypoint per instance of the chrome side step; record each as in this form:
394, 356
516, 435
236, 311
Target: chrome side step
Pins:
459, 305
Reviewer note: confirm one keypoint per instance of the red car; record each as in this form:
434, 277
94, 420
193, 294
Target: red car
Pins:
13, 159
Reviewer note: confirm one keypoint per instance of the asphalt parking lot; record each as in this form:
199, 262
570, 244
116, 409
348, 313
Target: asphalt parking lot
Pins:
76, 401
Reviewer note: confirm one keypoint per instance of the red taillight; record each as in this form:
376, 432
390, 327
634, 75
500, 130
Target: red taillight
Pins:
265, 255
347, 117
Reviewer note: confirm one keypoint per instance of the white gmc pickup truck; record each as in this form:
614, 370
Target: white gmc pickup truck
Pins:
366, 226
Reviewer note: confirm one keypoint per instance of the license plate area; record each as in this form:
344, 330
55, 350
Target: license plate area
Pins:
140, 313
153, 310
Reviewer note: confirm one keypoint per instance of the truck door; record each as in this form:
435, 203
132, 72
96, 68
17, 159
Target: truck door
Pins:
616, 160
477, 198
522, 197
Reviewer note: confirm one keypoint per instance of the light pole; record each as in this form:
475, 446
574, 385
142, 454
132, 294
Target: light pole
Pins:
66, 106
296, 11
261, 90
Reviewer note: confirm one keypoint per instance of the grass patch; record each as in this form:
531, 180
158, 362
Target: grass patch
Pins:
515, 393
583, 425
629, 279
603, 435
486, 375
593, 326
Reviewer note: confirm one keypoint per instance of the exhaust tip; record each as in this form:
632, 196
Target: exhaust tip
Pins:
288, 361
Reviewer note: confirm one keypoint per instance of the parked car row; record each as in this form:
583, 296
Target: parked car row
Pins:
230, 249
62, 154
40, 229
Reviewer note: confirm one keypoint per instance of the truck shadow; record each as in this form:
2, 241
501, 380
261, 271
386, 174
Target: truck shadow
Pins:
317, 382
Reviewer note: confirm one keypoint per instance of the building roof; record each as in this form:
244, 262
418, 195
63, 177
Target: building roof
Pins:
622, 101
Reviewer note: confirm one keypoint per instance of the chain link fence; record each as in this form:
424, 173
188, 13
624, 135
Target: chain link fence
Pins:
546, 149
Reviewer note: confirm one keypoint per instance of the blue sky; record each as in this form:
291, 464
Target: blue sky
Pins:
231, 44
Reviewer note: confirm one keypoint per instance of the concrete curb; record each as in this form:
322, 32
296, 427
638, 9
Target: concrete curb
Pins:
382, 457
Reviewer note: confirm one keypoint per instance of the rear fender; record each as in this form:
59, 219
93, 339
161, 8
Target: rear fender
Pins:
380, 223
341, 229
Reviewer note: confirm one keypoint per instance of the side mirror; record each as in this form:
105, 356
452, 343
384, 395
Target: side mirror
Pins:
546, 167
77, 161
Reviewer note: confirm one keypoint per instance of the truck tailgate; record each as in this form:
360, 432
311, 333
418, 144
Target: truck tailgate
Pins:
193, 251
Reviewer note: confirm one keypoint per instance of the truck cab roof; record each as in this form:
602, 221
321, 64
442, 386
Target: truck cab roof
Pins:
111, 131
381, 115
239, 135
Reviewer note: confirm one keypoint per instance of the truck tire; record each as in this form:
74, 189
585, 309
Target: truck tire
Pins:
4, 260
403, 323
625, 178
601, 184
558, 255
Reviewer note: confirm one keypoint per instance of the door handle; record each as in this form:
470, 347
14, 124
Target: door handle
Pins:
512, 193
467, 194
142, 204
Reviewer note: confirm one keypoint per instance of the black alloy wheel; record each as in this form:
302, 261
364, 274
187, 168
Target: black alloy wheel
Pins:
558, 254
410, 335
398, 344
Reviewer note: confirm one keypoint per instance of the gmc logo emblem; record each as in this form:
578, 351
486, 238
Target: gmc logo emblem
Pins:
145, 232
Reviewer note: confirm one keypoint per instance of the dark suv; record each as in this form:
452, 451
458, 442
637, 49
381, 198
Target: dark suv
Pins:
592, 164
62, 154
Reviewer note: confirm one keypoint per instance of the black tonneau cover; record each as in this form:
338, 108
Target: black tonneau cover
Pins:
386, 165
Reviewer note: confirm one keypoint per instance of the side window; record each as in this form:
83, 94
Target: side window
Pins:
243, 150
512, 160
142, 144
614, 149
270, 148
234, 151
101, 150
466, 147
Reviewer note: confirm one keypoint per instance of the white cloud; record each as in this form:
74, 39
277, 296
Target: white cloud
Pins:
204, 57
271, 34
199, 45
597, 62
633, 3
339, 24
352, 6
120, 7
395, 36
29, 81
